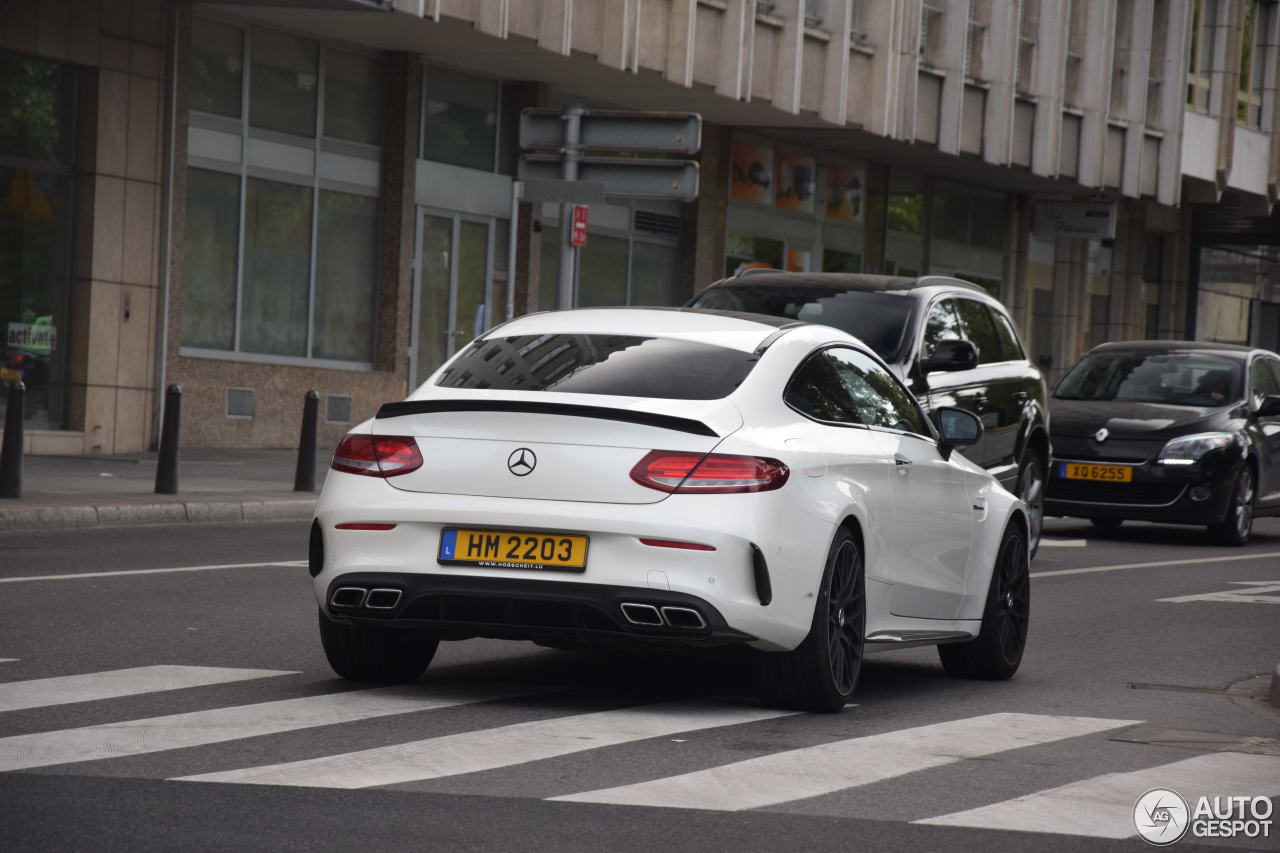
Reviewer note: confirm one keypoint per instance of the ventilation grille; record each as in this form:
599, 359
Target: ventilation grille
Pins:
657, 223
240, 402
337, 409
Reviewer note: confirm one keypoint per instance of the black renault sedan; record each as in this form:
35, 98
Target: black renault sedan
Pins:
1169, 431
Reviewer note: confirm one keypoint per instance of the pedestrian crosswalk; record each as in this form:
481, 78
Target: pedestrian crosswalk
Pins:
419, 747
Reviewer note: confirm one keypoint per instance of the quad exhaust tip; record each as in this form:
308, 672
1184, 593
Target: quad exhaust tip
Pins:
649, 616
352, 597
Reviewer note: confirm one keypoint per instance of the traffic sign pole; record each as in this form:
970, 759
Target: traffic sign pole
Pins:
568, 252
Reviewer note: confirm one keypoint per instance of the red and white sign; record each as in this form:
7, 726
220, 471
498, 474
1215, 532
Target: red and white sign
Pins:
578, 234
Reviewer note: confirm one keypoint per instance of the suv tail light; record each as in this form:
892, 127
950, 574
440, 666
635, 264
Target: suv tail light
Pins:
377, 455
711, 474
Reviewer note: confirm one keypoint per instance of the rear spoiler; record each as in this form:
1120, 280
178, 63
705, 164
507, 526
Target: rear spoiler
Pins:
427, 407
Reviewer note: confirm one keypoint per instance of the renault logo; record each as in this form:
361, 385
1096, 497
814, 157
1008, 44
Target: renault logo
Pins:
1101, 435
521, 462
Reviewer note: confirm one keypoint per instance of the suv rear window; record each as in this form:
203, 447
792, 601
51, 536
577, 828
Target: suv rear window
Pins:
622, 365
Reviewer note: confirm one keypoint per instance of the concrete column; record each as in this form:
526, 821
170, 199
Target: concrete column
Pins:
703, 222
399, 171
875, 219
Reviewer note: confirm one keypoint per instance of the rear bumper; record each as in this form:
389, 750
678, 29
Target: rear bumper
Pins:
462, 607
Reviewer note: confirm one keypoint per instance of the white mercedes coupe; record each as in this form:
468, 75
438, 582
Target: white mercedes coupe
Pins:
670, 476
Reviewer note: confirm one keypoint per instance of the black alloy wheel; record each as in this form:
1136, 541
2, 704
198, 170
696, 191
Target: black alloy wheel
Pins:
996, 652
822, 672
846, 617
1236, 528
1031, 481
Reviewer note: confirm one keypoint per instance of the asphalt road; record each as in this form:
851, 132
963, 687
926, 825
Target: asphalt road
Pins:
1121, 690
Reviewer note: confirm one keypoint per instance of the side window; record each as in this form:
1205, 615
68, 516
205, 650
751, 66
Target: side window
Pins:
1010, 349
1263, 379
942, 324
817, 392
878, 397
981, 330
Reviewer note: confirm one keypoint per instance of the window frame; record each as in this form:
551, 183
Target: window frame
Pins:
824, 348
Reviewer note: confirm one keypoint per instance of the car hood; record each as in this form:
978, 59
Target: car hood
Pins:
1125, 419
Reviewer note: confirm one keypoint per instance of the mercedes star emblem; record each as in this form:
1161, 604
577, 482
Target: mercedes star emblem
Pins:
521, 462
1101, 435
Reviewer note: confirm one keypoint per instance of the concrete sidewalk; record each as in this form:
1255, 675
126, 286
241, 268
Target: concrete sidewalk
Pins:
213, 485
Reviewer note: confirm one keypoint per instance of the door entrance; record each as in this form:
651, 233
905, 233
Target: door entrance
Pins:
452, 303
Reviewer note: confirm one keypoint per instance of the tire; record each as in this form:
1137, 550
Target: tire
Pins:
376, 652
822, 672
996, 652
1238, 525
1106, 523
1031, 483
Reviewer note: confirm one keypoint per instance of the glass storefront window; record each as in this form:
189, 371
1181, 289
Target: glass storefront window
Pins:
602, 272
217, 67
549, 271
460, 122
352, 97
904, 245
745, 251
277, 268
346, 276
283, 83
834, 260
653, 274
209, 259
37, 149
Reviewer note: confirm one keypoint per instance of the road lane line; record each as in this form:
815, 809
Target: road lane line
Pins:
1272, 555
1102, 807
43, 692
816, 770
489, 749
1046, 542
127, 572
8, 660
178, 731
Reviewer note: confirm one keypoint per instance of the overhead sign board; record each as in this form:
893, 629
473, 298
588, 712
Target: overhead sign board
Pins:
611, 130
572, 192
1090, 220
625, 177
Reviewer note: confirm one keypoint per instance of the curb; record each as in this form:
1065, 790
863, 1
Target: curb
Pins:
1273, 695
117, 515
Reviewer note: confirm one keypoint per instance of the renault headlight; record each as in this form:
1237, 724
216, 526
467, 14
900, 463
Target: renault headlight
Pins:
1188, 449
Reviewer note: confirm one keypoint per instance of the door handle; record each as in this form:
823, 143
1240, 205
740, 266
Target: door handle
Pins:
899, 459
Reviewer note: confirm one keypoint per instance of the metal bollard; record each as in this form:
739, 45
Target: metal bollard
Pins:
304, 478
167, 469
11, 452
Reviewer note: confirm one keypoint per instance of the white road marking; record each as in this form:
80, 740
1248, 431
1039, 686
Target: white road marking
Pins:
1254, 592
488, 749
177, 731
1046, 542
130, 572
1272, 555
8, 660
816, 770
42, 692
1102, 807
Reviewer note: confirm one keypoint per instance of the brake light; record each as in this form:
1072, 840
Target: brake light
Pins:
709, 474
377, 455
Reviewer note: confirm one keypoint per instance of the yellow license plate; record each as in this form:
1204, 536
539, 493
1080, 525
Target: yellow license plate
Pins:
510, 549
1101, 473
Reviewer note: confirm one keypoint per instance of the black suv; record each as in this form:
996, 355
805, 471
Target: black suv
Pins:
946, 339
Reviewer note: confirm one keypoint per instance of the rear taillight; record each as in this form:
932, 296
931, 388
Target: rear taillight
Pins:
377, 455
709, 474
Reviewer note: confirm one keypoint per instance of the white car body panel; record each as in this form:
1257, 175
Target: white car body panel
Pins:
928, 549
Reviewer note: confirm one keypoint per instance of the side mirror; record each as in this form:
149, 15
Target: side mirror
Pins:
1270, 406
951, 355
957, 428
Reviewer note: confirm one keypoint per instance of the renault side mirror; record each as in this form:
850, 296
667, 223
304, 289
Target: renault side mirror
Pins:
951, 355
957, 428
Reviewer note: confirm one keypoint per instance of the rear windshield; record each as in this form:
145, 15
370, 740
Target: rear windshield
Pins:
878, 319
1178, 378
623, 365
